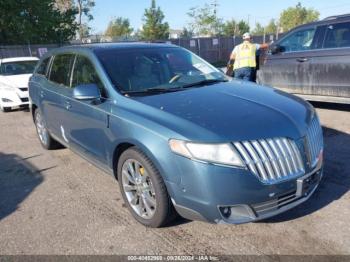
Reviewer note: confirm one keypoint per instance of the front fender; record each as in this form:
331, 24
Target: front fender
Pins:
152, 144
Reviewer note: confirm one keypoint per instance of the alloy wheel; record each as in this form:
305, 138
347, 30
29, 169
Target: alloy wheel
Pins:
41, 129
138, 189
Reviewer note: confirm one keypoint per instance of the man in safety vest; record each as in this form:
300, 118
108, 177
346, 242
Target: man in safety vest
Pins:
243, 59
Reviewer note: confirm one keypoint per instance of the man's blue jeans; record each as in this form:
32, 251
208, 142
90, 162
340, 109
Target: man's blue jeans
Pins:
245, 73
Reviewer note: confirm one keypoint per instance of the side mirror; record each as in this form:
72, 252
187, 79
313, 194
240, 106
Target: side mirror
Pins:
276, 49
86, 92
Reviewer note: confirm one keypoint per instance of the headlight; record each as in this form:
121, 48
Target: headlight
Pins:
5, 100
223, 154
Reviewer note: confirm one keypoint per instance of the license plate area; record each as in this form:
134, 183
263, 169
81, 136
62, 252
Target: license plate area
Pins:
306, 183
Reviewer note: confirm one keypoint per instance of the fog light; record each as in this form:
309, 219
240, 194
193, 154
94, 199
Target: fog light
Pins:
226, 211
238, 214
5, 100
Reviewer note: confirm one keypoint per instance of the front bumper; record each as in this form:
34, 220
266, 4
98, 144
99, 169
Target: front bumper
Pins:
206, 190
250, 213
14, 99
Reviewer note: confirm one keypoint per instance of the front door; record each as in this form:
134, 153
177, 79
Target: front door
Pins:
86, 121
289, 68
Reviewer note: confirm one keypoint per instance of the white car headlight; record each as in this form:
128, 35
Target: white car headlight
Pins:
223, 154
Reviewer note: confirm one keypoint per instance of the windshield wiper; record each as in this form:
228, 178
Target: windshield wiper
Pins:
153, 90
204, 82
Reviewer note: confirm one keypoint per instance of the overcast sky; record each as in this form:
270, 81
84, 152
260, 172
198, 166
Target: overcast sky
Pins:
176, 10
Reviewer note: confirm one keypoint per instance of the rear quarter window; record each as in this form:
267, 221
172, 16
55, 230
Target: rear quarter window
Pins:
338, 35
42, 69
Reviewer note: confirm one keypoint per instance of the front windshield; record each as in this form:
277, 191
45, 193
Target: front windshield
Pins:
18, 67
140, 70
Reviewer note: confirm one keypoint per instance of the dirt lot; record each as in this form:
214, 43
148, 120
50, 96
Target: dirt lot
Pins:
57, 203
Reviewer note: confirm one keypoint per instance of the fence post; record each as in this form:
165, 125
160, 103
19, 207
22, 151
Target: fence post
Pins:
199, 46
219, 46
30, 51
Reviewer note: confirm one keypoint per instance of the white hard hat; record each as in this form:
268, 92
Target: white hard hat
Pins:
246, 36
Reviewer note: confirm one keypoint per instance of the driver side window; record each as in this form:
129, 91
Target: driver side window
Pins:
85, 73
298, 41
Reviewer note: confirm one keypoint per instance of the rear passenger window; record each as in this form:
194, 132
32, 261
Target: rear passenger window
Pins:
338, 35
60, 69
84, 73
42, 69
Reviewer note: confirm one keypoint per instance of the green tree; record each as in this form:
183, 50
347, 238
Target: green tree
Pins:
64, 5
258, 30
243, 27
298, 15
205, 21
35, 21
186, 33
154, 28
84, 30
119, 28
271, 27
230, 28
83, 8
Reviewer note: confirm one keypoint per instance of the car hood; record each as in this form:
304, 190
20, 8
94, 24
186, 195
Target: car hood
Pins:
16, 80
230, 111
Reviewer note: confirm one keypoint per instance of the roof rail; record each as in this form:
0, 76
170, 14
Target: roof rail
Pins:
336, 17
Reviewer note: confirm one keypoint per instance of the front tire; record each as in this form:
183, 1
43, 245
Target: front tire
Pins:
44, 136
143, 189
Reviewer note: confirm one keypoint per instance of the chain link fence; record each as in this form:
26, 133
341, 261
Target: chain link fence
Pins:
215, 50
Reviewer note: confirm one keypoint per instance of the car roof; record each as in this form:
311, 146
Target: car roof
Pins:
17, 59
327, 21
106, 46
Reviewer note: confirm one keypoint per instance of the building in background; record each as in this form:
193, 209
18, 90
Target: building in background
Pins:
174, 33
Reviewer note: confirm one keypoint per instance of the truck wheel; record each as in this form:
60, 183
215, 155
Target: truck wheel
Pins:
45, 138
143, 189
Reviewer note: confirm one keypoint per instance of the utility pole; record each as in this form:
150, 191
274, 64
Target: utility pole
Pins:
249, 20
215, 5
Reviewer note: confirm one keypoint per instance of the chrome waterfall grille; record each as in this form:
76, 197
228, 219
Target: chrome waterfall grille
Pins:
271, 160
314, 140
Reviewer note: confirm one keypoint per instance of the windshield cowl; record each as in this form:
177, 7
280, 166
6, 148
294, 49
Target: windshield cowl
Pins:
158, 90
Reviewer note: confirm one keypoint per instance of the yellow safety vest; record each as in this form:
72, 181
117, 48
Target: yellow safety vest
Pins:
245, 55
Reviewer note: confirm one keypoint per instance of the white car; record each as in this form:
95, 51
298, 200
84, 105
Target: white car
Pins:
14, 76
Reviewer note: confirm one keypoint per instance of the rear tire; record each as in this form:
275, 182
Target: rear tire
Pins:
143, 189
44, 136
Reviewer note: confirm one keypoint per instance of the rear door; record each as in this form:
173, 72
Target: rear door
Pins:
38, 81
53, 92
331, 62
86, 121
289, 69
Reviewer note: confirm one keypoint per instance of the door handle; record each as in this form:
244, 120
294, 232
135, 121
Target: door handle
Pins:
302, 59
68, 105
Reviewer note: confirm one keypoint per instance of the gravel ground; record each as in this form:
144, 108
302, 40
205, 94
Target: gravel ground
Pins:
54, 202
